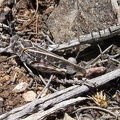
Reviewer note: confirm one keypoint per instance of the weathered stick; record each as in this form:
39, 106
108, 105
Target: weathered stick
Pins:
41, 115
88, 38
57, 97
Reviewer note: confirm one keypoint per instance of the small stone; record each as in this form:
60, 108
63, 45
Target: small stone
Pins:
20, 87
72, 18
29, 96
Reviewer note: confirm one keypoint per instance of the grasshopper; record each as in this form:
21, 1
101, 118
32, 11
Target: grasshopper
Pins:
41, 59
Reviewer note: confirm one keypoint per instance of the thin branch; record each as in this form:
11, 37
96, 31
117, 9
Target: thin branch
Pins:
88, 38
97, 108
45, 86
93, 61
42, 115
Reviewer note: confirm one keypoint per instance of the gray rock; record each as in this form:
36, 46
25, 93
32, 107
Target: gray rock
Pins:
69, 20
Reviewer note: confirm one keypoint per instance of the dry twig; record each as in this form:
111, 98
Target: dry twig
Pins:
88, 38
97, 108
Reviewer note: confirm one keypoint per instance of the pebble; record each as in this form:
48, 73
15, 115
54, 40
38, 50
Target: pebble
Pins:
29, 96
20, 87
